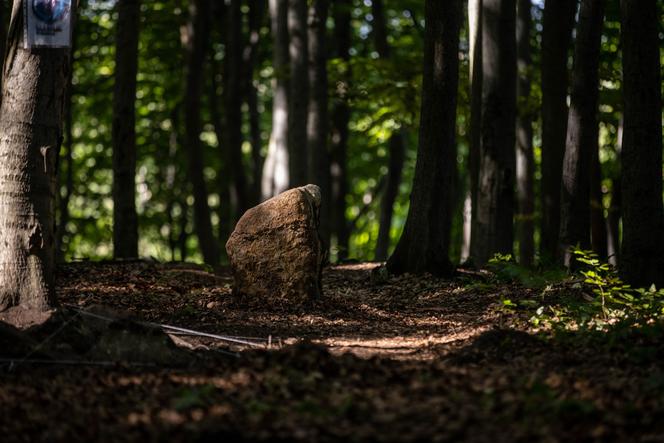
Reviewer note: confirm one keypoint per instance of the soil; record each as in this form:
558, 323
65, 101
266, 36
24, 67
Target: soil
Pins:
376, 358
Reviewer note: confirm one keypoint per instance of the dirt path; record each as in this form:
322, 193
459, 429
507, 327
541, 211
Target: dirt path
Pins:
397, 359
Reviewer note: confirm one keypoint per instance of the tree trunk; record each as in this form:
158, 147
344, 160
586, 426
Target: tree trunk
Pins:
525, 158
495, 202
275, 169
319, 158
556, 39
233, 89
33, 96
199, 27
396, 151
256, 16
125, 219
642, 258
340, 133
396, 155
615, 208
598, 239
582, 132
298, 98
475, 126
424, 245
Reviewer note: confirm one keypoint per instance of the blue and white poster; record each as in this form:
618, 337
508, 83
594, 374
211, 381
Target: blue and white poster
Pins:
48, 23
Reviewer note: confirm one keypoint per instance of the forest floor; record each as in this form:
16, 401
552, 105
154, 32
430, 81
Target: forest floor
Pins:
405, 358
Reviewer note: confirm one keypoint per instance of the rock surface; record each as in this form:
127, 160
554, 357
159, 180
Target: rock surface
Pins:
275, 251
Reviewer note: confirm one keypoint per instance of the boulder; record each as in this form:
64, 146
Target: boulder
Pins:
275, 251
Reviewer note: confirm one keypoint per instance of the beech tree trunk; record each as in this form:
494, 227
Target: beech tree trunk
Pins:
582, 132
495, 201
317, 131
256, 18
198, 36
556, 40
125, 218
275, 169
642, 259
31, 114
396, 146
598, 235
424, 244
298, 98
340, 119
233, 89
475, 126
525, 157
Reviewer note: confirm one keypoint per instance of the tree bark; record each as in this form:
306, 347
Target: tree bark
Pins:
298, 93
424, 245
475, 126
275, 169
125, 218
556, 40
396, 151
256, 18
317, 132
642, 258
582, 132
198, 33
615, 208
495, 201
31, 114
525, 157
340, 134
233, 97
598, 235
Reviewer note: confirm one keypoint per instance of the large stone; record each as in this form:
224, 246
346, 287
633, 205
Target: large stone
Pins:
275, 251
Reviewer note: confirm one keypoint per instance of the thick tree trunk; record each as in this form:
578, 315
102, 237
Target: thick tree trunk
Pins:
275, 169
340, 133
125, 219
199, 27
582, 132
525, 158
298, 98
33, 96
556, 40
233, 91
256, 15
642, 259
495, 201
475, 126
319, 156
396, 151
424, 245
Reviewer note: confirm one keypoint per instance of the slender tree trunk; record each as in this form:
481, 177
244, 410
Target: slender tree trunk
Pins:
233, 91
582, 132
199, 27
340, 134
396, 155
615, 208
642, 258
125, 219
396, 151
256, 15
424, 245
556, 40
31, 114
275, 170
525, 158
319, 157
495, 202
298, 98
475, 126
598, 235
